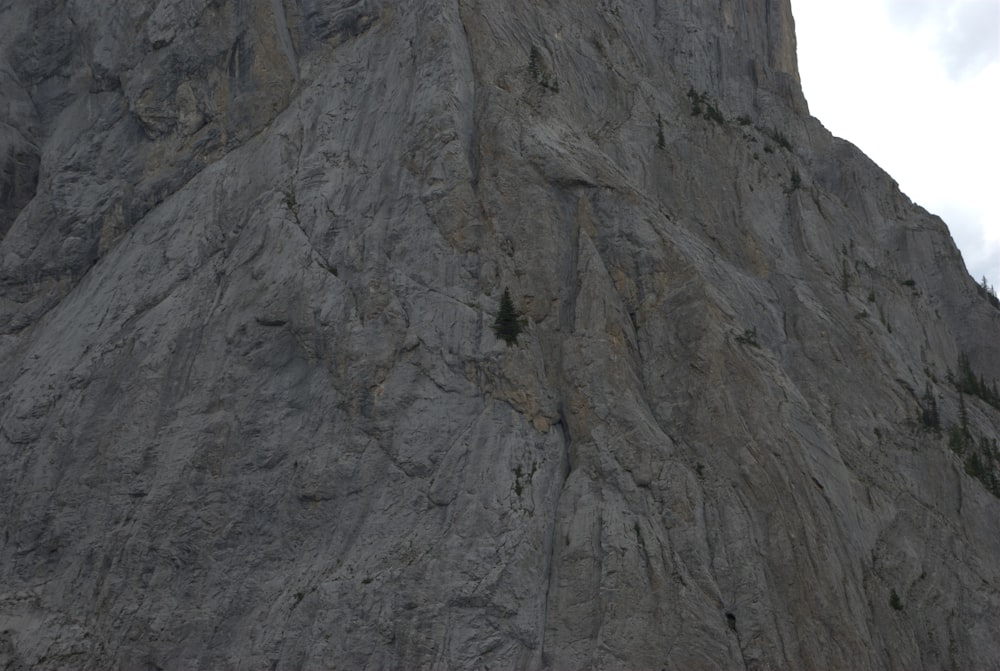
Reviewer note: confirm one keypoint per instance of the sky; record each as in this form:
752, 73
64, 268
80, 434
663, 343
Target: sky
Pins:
915, 84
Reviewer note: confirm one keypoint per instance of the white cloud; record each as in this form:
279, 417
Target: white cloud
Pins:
912, 13
966, 33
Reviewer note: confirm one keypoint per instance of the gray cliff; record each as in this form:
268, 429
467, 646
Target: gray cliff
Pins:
253, 412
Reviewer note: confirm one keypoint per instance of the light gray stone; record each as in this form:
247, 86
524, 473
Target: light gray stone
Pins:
254, 413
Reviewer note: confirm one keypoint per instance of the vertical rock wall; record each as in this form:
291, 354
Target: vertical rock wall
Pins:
254, 412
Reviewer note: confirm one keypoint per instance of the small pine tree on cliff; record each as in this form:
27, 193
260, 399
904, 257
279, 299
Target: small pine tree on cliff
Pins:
507, 325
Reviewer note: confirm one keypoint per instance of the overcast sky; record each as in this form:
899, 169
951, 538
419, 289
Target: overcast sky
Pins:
915, 84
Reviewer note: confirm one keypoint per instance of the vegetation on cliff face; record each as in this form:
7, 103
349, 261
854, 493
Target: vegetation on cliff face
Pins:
508, 323
253, 413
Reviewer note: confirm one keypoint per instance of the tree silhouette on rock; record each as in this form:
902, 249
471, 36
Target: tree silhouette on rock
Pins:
507, 325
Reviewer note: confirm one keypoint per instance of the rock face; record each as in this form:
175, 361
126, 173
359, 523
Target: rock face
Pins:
254, 414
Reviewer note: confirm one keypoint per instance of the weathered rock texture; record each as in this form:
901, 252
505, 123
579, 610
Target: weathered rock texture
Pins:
254, 414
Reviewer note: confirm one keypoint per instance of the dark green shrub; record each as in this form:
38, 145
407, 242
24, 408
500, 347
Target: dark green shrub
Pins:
974, 466
780, 138
929, 410
508, 324
968, 382
712, 113
533, 62
539, 72
695, 102
956, 439
987, 291
702, 106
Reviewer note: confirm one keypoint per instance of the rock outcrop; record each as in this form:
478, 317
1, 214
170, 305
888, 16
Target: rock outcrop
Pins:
254, 413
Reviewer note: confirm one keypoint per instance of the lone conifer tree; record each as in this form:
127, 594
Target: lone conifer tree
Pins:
507, 325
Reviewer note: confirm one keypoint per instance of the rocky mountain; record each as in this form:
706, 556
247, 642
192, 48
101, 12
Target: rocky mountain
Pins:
254, 413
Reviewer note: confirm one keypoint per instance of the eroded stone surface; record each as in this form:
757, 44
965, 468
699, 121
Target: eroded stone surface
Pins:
254, 413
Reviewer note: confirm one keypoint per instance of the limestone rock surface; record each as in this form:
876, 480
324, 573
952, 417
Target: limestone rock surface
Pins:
253, 413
